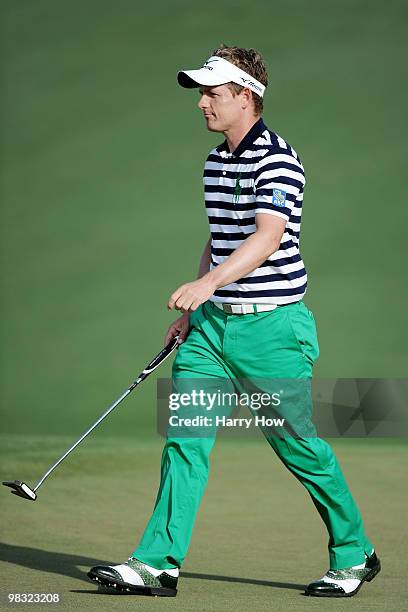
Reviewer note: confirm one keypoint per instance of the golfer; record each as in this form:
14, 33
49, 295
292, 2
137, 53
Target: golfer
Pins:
245, 318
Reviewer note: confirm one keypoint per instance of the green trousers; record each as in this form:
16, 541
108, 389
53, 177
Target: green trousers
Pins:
281, 343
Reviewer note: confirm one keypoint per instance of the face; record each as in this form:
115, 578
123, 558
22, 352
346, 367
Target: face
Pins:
221, 109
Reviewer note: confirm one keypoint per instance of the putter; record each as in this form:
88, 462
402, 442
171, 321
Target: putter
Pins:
23, 490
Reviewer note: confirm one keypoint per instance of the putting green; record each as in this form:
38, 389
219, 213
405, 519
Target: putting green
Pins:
257, 540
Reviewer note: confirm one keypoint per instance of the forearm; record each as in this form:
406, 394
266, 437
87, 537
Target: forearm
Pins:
249, 255
203, 268
246, 258
205, 260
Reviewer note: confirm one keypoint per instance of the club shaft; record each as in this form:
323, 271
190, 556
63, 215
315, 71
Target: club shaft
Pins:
148, 370
85, 434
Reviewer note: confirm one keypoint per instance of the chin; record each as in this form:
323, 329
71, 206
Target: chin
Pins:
212, 128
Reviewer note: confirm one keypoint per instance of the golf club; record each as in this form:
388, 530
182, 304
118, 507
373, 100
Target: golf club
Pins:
23, 490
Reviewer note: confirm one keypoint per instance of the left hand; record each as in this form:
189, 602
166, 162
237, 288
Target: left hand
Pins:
188, 297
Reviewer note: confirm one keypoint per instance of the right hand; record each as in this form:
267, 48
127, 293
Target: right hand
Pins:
180, 327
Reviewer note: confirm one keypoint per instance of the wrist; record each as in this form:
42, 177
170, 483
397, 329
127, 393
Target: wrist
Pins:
210, 280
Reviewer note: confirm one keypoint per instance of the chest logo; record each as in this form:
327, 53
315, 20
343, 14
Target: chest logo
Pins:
237, 190
278, 197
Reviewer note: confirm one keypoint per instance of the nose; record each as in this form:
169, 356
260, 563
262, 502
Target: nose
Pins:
203, 102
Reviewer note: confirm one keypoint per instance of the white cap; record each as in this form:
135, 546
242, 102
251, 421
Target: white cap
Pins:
218, 71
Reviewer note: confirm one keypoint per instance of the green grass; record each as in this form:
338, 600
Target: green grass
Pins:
258, 539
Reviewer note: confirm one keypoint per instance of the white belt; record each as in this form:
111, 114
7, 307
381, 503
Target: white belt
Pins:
244, 308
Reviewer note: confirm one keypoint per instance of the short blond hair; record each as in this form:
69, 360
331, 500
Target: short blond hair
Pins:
252, 62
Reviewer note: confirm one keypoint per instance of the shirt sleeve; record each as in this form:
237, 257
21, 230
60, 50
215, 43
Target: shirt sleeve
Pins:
279, 179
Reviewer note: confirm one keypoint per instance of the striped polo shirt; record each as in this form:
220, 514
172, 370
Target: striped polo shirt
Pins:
263, 175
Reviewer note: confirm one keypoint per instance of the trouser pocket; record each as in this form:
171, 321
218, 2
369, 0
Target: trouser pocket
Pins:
303, 327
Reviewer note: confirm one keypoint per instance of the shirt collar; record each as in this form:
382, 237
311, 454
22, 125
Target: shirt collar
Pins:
255, 131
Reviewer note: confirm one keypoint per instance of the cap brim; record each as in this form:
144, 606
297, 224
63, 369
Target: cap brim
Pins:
195, 78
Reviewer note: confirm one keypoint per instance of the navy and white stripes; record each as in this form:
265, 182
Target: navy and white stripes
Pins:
263, 175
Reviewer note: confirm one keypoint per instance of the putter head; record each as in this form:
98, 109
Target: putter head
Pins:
21, 489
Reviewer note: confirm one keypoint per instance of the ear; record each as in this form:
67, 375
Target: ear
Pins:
246, 97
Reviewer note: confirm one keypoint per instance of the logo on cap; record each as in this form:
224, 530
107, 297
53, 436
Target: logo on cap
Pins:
251, 83
205, 65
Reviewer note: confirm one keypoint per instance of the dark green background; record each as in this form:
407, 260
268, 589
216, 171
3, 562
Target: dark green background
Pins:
101, 190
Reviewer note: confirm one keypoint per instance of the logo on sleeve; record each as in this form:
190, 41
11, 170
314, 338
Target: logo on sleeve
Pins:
278, 197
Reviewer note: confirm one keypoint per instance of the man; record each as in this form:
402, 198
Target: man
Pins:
244, 318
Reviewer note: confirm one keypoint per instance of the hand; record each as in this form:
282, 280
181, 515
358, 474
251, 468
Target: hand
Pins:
180, 327
190, 296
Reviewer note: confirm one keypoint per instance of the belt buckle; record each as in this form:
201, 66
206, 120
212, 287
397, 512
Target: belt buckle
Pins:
227, 308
